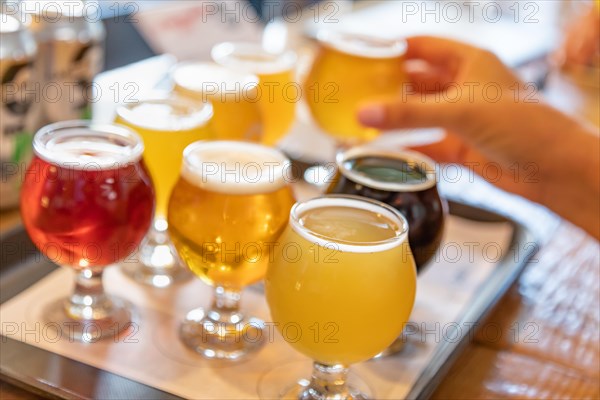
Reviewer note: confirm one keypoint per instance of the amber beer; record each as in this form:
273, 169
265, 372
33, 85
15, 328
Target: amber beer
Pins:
405, 180
229, 206
347, 70
213, 210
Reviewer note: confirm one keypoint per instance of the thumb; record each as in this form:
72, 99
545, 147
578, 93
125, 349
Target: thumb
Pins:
411, 113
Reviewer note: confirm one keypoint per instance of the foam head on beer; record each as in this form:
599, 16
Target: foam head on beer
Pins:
86, 148
235, 167
207, 80
362, 46
251, 57
167, 114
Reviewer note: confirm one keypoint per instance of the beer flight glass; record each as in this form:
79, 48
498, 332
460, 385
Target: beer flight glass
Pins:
87, 202
353, 271
403, 179
278, 93
167, 126
233, 95
229, 206
348, 69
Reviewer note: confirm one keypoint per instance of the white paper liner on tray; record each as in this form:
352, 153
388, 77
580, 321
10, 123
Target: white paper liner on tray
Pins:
152, 353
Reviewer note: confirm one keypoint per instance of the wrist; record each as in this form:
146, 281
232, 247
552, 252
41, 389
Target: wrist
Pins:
570, 178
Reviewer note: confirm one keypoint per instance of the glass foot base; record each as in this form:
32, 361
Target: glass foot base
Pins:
272, 385
396, 347
409, 341
221, 340
105, 324
156, 262
302, 391
159, 277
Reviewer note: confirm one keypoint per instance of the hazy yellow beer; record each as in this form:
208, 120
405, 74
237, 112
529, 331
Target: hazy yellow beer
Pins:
167, 126
345, 277
347, 70
234, 97
225, 213
278, 90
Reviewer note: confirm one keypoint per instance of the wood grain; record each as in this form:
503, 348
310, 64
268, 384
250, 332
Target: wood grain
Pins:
553, 312
486, 373
11, 392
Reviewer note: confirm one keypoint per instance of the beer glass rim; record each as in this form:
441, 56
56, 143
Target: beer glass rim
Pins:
403, 154
198, 174
50, 135
338, 40
203, 109
350, 201
283, 61
195, 85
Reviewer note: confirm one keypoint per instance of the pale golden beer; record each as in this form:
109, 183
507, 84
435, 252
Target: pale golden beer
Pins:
234, 97
278, 89
167, 126
345, 279
347, 70
343, 246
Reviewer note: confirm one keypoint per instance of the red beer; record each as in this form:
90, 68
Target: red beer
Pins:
87, 201
86, 217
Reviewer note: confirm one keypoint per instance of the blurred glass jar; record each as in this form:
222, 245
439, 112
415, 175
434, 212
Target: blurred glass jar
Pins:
17, 54
70, 38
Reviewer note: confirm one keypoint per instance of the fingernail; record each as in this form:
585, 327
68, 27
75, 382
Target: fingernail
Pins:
371, 115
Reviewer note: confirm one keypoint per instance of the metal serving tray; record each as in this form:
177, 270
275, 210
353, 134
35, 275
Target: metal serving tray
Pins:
54, 376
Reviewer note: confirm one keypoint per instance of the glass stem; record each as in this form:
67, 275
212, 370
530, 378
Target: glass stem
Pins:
226, 306
328, 382
158, 231
88, 301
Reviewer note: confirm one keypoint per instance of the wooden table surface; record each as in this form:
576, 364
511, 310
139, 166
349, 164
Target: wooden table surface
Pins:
549, 321
543, 338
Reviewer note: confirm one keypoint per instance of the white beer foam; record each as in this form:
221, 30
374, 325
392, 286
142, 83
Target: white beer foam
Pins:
172, 114
252, 58
201, 76
355, 202
362, 46
235, 167
97, 147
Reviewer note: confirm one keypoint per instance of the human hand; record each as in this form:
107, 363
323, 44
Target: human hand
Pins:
581, 46
469, 91
540, 153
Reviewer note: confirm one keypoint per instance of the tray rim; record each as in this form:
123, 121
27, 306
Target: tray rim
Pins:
488, 297
505, 274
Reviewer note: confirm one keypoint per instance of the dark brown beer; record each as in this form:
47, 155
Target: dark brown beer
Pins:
405, 180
